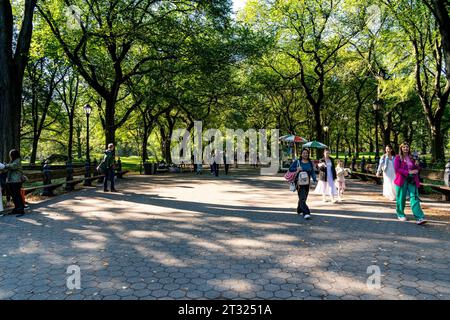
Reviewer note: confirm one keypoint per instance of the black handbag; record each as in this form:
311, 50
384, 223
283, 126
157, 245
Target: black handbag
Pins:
410, 179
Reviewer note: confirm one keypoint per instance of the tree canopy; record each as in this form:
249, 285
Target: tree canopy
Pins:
149, 67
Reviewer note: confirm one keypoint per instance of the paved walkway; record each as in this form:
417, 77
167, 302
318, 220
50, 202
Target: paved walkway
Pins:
195, 237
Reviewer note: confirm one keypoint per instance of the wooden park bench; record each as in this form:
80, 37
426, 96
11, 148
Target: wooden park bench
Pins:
73, 176
369, 174
435, 177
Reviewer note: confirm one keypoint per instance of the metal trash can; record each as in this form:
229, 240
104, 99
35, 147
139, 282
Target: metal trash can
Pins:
148, 168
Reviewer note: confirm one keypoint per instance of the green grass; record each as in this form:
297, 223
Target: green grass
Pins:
134, 163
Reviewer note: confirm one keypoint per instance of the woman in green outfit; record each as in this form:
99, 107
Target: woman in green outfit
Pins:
407, 183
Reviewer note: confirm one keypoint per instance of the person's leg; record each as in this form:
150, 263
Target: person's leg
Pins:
304, 197
332, 188
17, 198
111, 176
299, 205
339, 191
415, 202
105, 180
401, 200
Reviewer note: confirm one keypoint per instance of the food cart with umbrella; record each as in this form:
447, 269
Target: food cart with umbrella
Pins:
288, 150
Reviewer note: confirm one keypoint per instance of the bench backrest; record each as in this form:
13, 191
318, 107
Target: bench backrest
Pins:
437, 175
55, 174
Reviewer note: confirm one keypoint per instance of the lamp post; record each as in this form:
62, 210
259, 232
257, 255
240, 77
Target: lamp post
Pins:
377, 104
327, 137
87, 110
345, 133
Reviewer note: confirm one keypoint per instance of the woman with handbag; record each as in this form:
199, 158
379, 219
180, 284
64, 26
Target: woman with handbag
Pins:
407, 183
14, 181
327, 177
387, 167
304, 169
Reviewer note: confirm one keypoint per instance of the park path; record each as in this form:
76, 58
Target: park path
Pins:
233, 237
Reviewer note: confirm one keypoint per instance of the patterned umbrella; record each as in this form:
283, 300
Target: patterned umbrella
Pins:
314, 144
293, 138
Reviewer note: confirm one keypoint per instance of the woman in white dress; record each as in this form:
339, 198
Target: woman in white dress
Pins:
387, 167
327, 177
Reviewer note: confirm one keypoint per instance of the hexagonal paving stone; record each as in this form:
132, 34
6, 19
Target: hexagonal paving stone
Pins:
195, 294
212, 294
171, 286
283, 294
143, 293
271, 287
230, 294
159, 293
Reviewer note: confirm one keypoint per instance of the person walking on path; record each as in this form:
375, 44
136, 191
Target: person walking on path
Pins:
407, 183
199, 168
340, 179
327, 177
305, 172
107, 165
386, 166
226, 165
14, 181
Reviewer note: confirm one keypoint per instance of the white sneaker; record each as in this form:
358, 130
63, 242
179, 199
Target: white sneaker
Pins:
421, 221
403, 219
307, 216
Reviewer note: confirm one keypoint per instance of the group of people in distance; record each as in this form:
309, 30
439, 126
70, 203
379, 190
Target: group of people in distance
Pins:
400, 179
12, 178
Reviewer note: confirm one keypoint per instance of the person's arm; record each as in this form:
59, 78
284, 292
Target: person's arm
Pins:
322, 166
313, 173
15, 165
293, 166
380, 165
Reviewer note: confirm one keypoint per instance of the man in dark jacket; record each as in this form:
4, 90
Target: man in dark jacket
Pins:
108, 167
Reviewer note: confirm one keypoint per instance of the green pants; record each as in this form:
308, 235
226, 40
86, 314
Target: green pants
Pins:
414, 200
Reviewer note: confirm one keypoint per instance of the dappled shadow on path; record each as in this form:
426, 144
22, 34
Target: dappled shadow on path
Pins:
188, 238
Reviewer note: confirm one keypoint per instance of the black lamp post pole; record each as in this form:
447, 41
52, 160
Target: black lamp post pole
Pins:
88, 157
377, 151
87, 182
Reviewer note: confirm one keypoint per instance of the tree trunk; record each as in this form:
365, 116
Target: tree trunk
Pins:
12, 68
70, 144
34, 149
145, 137
437, 143
337, 144
163, 144
371, 145
318, 127
387, 131
78, 130
110, 125
357, 126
